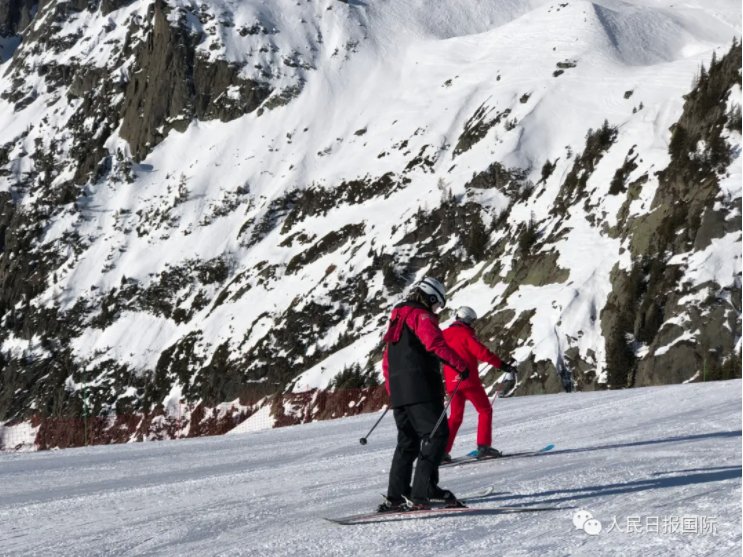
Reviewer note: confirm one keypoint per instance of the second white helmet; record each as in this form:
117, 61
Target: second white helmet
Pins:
465, 314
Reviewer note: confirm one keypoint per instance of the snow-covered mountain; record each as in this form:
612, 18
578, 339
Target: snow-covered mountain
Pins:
218, 201
669, 484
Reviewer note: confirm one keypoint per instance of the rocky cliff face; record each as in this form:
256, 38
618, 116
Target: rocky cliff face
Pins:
15, 15
204, 204
690, 211
171, 85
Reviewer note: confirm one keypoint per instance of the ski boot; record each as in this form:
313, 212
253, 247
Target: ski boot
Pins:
392, 506
417, 504
484, 451
439, 495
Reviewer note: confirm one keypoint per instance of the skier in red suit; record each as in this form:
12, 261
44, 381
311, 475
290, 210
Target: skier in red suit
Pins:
461, 337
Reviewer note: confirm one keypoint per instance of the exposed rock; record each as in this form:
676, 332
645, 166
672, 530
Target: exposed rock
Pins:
172, 84
298, 408
684, 219
327, 244
477, 128
574, 187
108, 6
15, 15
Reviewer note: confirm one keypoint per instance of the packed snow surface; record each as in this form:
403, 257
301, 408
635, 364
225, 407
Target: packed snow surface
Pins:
642, 459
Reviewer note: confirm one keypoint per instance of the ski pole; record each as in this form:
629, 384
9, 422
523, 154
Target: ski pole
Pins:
443, 414
363, 439
496, 394
514, 373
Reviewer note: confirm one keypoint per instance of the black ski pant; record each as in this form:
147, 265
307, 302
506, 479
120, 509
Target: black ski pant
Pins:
414, 425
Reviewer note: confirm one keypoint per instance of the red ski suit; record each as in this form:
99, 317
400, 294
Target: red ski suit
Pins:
461, 337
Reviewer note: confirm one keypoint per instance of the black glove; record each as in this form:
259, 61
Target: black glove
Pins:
508, 368
464, 374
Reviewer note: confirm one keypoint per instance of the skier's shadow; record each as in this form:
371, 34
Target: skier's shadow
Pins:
693, 476
676, 439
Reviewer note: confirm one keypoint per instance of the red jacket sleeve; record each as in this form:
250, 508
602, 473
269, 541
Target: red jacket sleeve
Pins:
480, 351
426, 328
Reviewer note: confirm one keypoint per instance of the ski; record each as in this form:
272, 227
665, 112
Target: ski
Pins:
470, 457
479, 494
436, 504
434, 512
542, 450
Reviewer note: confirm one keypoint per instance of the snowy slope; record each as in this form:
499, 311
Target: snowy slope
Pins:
659, 452
204, 255
414, 69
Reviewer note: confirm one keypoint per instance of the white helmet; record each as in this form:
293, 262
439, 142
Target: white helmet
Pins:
465, 314
434, 290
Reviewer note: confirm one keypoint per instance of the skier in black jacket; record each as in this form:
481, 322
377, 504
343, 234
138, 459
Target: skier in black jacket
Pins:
414, 348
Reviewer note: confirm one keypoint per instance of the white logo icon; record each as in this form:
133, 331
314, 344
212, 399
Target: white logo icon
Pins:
583, 520
592, 527
580, 517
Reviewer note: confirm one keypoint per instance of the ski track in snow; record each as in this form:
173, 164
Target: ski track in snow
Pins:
661, 451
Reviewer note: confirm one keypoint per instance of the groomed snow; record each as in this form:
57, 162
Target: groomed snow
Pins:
666, 453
